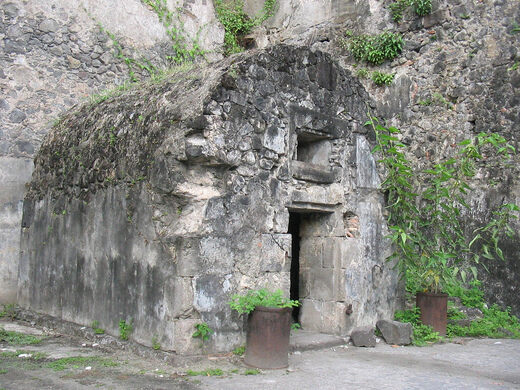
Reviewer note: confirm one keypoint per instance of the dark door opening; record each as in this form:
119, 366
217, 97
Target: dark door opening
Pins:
294, 231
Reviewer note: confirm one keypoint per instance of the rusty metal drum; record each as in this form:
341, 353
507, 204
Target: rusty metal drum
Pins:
434, 310
268, 335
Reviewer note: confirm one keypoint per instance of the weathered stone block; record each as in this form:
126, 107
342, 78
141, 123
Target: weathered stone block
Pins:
184, 343
311, 253
395, 332
310, 315
182, 297
351, 252
188, 258
363, 336
332, 252
322, 284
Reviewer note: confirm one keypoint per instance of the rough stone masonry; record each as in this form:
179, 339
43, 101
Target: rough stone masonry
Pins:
155, 206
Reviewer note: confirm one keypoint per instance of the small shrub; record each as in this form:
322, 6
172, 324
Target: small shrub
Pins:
202, 332
381, 78
375, 49
125, 328
252, 371
422, 7
239, 351
295, 326
399, 7
245, 304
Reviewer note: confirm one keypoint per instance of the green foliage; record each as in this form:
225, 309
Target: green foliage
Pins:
422, 334
420, 7
515, 28
397, 9
295, 326
207, 372
252, 371
496, 323
202, 332
125, 328
381, 78
9, 311
514, 67
155, 343
79, 362
374, 49
96, 328
15, 338
237, 23
263, 297
431, 247
239, 351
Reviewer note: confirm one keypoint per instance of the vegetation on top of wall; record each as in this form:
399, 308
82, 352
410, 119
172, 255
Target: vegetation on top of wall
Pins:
237, 23
420, 7
374, 49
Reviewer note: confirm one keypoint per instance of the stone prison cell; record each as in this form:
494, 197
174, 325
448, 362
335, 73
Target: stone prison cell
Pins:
156, 205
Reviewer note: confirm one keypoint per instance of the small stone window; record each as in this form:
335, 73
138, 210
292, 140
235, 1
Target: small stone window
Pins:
313, 148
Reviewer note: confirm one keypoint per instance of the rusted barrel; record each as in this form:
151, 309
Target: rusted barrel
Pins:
434, 310
268, 334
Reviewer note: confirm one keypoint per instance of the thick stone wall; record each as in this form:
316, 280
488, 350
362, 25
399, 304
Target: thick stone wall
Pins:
170, 198
54, 55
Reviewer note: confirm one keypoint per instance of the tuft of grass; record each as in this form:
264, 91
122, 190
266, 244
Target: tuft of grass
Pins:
9, 311
15, 354
79, 361
125, 328
16, 338
252, 371
207, 372
239, 351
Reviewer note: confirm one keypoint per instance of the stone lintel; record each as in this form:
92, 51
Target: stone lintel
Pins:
312, 173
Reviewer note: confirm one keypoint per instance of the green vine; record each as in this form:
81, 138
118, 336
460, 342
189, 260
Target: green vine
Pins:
183, 51
432, 249
237, 23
